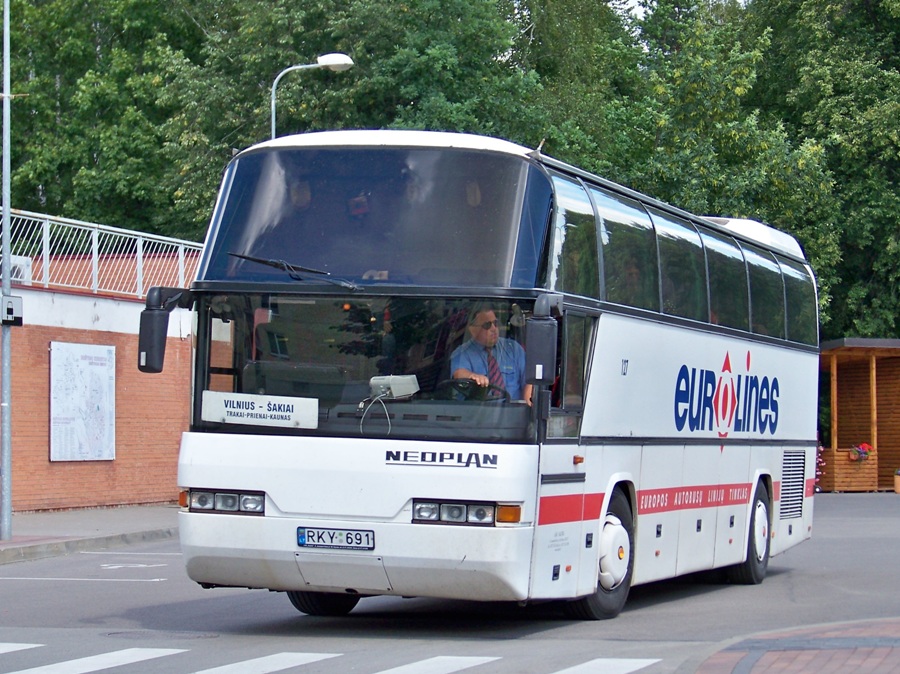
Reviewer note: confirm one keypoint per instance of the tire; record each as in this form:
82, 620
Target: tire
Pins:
616, 542
323, 603
753, 570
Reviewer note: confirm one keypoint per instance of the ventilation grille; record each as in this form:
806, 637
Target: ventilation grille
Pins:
793, 469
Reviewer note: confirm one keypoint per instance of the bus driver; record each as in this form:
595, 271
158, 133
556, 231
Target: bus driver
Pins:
491, 360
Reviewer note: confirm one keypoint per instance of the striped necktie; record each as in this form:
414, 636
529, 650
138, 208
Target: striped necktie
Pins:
494, 374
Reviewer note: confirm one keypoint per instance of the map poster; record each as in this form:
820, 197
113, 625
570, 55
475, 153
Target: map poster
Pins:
82, 402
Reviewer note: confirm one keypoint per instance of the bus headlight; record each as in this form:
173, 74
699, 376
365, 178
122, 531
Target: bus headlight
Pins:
241, 502
227, 502
480, 514
253, 503
454, 512
202, 500
426, 512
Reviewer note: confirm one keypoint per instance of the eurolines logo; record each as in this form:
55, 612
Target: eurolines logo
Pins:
726, 402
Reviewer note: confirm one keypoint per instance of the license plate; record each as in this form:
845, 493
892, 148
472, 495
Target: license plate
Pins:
336, 539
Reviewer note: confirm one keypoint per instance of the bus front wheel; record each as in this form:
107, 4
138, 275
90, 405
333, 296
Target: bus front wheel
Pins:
323, 603
616, 564
753, 570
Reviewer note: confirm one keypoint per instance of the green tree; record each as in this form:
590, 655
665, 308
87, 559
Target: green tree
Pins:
429, 64
133, 107
595, 102
87, 139
659, 101
713, 153
833, 75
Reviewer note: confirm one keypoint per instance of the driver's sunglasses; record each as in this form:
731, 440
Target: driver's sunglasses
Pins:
487, 325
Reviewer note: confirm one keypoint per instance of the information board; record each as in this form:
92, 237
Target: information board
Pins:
82, 402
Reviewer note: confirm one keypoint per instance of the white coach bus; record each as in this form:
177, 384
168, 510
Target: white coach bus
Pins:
650, 412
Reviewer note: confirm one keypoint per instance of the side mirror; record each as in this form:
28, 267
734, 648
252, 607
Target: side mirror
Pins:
541, 336
155, 325
152, 340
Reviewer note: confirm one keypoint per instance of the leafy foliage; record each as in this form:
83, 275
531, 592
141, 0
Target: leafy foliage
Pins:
713, 154
833, 77
777, 110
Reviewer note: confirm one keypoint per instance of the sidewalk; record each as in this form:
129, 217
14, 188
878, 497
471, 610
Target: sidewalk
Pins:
861, 647
49, 534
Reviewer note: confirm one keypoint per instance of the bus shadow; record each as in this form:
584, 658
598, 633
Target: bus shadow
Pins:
682, 587
271, 614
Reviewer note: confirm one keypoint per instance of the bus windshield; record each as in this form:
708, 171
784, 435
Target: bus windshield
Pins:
361, 367
402, 216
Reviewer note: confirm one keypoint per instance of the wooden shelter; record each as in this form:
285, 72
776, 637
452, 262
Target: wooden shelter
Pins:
865, 408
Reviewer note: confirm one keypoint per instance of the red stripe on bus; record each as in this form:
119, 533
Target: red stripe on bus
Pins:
688, 498
559, 509
593, 504
569, 508
578, 507
810, 487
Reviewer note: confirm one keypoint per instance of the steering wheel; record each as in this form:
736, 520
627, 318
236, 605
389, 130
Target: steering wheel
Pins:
469, 390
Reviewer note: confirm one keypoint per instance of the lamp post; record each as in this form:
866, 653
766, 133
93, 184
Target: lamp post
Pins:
5, 335
335, 62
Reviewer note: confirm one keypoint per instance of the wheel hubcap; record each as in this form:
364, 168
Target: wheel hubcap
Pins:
615, 553
761, 530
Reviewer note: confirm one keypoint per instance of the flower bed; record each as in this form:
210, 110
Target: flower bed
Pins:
843, 471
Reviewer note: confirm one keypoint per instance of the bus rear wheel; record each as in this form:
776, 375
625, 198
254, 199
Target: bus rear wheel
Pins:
753, 570
323, 603
616, 564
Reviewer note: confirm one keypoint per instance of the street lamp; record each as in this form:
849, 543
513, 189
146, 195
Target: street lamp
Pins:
335, 62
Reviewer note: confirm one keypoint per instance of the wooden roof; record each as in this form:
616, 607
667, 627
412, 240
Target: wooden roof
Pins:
849, 349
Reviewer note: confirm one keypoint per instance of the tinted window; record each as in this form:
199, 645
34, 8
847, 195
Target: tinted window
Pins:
373, 366
800, 293
766, 292
575, 267
729, 303
682, 267
629, 251
568, 394
402, 216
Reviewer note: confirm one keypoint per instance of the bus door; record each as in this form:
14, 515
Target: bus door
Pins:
565, 512
656, 539
696, 501
735, 490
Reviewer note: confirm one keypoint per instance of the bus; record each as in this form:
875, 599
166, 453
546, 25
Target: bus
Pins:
654, 412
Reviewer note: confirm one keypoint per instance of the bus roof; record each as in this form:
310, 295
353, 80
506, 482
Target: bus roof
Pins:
395, 138
749, 230
769, 237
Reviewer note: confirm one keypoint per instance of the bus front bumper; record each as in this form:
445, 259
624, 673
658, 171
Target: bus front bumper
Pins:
421, 560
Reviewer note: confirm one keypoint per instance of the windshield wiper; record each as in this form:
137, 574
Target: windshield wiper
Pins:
297, 272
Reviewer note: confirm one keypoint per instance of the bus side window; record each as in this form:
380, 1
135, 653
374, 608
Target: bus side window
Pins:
574, 266
682, 267
223, 343
728, 294
568, 399
630, 267
766, 292
800, 294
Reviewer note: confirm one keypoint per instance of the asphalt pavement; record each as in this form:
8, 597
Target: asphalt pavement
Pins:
861, 647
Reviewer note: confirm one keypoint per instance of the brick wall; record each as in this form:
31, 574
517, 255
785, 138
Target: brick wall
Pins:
152, 410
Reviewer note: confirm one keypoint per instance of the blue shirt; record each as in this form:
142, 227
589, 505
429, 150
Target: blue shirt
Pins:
508, 353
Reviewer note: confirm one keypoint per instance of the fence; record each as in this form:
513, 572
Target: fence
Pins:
52, 252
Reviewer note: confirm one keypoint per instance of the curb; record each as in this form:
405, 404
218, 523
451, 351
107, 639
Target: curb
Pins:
59, 548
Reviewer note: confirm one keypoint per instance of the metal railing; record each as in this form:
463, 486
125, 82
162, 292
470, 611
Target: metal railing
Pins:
51, 252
